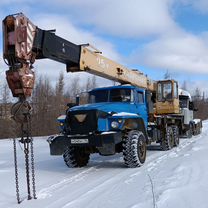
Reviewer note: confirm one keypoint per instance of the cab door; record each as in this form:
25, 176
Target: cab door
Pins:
141, 105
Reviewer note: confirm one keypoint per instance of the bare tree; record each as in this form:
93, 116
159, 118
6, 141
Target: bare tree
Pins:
167, 75
197, 94
5, 116
201, 105
73, 89
91, 83
59, 103
44, 108
60, 85
184, 85
5, 93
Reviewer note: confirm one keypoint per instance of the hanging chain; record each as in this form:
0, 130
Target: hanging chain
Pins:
33, 169
27, 167
21, 114
32, 160
16, 171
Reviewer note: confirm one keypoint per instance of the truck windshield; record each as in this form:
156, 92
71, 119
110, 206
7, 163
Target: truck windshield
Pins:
167, 90
98, 96
183, 100
120, 95
164, 91
111, 95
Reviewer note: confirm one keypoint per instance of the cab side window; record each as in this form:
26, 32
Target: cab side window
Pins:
140, 97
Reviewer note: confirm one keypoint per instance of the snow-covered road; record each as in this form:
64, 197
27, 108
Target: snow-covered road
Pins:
176, 178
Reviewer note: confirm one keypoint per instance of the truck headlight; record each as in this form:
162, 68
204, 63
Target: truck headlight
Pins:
114, 124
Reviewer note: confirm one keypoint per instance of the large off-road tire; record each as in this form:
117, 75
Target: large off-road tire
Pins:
167, 142
76, 157
134, 148
176, 136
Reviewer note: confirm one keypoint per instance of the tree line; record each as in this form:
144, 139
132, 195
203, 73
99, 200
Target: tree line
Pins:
48, 102
201, 104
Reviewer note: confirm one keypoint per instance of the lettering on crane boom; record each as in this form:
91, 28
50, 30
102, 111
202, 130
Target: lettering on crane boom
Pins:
102, 63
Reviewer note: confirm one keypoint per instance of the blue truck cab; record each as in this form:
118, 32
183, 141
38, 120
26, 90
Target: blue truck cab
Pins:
114, 120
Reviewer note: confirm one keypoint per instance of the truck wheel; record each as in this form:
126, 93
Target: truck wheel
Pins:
175, 135
167, 143
134, 148
76, 157
189, 132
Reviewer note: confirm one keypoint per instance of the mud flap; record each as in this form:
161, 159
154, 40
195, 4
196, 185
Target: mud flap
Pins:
58, 144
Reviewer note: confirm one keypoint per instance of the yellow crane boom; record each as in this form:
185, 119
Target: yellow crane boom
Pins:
95, 63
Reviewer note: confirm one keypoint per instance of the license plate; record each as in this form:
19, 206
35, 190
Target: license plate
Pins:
79, 141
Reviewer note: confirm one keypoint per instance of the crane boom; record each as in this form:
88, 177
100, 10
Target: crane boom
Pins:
24, 43
97, 64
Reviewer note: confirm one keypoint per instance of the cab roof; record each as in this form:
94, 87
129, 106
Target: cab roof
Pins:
127, 86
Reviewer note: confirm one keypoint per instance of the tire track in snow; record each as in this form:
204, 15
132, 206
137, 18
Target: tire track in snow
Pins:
175, 152
47, 192
108, 186
98, 186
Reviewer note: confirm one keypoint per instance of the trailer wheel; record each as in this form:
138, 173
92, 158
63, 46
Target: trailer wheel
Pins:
200, 130
197, 130
167, 142
134, 149
175, 135
76, 157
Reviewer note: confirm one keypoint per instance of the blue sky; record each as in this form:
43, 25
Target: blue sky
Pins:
153, 36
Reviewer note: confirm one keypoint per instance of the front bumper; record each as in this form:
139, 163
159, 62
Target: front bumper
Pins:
59, 143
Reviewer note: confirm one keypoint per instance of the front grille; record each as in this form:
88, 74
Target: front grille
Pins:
82, 122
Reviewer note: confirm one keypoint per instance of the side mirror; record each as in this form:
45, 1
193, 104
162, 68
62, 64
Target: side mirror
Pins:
191, 106
70, 105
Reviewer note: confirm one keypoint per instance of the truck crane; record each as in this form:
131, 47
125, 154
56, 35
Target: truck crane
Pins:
124, 118
157, 103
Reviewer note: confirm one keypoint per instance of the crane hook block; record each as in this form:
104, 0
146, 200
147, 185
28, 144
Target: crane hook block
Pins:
21, 81
21, 111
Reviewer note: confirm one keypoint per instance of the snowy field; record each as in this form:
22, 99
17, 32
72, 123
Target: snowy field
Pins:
177, 178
